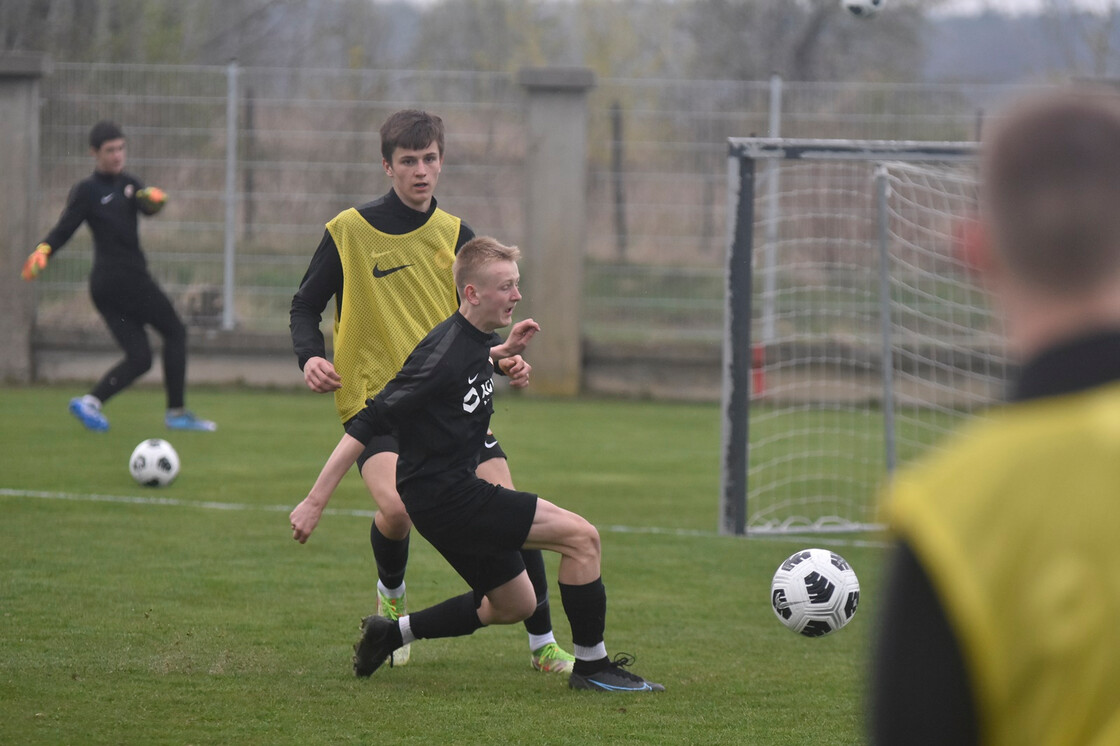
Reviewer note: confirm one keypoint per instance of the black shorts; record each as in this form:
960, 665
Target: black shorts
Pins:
378, 444
480, 532
491, 448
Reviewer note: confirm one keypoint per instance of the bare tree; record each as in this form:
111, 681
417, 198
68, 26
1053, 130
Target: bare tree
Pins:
1085, 39
804, 40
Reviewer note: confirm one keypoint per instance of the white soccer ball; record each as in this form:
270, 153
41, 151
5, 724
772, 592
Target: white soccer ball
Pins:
154, 463
814, 592
863, 8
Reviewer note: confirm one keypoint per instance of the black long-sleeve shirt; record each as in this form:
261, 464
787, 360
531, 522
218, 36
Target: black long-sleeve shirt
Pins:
440, 406
324, 277
108, 204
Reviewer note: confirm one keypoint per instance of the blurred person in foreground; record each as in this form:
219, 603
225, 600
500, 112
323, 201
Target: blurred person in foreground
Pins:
126, 296
1001, 597
387, 264
439, 407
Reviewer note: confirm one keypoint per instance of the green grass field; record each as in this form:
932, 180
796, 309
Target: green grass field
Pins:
187, 615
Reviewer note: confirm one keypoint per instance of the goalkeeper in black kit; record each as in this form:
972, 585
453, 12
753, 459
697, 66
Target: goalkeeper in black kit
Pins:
124, 293
439, 405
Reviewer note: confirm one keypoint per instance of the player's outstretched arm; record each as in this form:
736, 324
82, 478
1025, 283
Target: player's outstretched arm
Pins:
519, 337
306, 515
320, 376
37, 262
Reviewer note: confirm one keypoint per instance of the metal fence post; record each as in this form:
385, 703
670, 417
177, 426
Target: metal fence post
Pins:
773, 215
229, 269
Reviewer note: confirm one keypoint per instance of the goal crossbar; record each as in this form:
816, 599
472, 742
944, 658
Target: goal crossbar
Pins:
760, 148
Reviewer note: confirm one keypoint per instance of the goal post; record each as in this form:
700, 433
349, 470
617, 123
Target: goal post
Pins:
854, 337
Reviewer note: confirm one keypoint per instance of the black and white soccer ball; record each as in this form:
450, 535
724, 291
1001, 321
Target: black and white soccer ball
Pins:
863, 8
814, 592
154, 463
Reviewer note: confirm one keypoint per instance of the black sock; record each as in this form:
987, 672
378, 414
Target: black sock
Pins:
454, 617
540, 623
390, 555
586, 607
586, 668
394, 636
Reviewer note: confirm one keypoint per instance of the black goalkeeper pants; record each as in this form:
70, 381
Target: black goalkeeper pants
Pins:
130, 301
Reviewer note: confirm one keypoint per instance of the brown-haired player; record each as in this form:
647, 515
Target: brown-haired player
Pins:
1000, 605
387, 264
124, 293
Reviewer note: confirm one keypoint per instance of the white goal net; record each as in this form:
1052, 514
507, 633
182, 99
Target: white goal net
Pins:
855, 337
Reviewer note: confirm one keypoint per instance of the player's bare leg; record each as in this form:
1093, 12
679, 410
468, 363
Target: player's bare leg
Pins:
585, 599
545, 654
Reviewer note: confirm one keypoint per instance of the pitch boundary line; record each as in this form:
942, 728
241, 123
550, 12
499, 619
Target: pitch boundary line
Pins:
167, 501
175, 502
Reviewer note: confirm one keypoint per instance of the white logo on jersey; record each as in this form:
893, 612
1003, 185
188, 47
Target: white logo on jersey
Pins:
471, 401
477, 395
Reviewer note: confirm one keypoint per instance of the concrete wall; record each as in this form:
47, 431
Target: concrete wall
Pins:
213, 357
683, 373
19, 179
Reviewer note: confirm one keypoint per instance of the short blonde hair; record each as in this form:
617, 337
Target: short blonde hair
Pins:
476, 254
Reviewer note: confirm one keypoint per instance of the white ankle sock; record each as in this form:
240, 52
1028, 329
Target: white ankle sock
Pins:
536, 642
390, 592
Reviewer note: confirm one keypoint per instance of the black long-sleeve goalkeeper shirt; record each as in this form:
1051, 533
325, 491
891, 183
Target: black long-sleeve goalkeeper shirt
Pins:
107, 203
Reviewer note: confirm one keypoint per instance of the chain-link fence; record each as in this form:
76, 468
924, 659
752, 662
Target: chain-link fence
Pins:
246, 212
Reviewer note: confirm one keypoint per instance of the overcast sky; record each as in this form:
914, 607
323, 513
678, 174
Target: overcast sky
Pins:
1025, 6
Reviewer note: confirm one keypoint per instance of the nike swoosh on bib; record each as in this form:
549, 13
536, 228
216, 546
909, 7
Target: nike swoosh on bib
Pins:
378, 272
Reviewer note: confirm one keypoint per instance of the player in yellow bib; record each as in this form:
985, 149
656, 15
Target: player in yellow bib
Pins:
1001, 600
387, 264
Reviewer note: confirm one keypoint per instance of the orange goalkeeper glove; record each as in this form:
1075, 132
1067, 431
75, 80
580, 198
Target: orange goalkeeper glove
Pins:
151, 199
37, 262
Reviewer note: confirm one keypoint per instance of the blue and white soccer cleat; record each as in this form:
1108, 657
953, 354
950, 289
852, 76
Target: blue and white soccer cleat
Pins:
188, 421
89, 415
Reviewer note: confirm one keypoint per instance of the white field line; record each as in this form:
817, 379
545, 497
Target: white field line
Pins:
212, 505
168, 501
